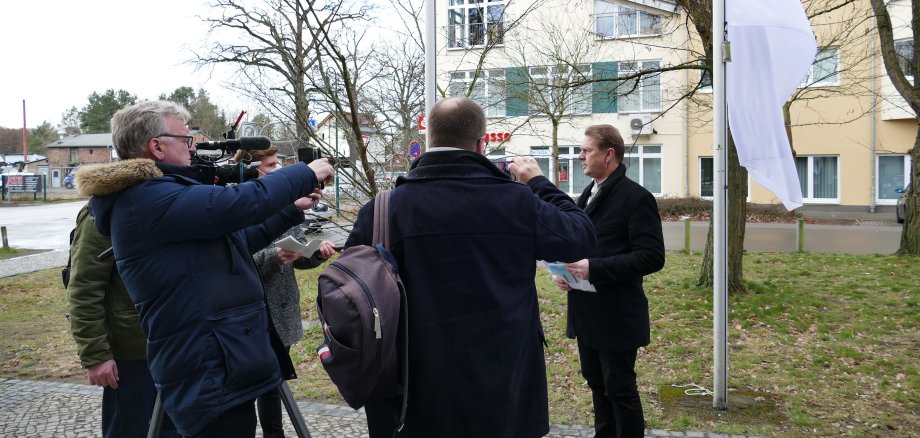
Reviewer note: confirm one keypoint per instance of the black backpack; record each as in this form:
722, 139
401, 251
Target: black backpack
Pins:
363, 311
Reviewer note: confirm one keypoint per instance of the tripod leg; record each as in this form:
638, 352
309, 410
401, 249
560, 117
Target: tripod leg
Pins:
300, 426
156, 420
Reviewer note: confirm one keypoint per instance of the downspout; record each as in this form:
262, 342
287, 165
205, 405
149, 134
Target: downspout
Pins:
872, 136
687, 129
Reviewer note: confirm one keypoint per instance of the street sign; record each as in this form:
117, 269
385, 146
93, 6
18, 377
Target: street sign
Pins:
422, 123
415, 149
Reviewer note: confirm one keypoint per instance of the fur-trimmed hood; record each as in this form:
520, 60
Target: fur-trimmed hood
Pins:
105, 179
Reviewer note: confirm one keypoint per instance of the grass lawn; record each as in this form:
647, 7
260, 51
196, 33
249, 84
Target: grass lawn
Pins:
822, 345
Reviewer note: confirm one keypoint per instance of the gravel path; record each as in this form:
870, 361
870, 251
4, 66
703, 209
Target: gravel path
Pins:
32, 263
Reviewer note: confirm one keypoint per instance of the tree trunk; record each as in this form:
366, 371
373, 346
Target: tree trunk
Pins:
737, 213
910, 236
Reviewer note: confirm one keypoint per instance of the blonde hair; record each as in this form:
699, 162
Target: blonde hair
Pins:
248, 157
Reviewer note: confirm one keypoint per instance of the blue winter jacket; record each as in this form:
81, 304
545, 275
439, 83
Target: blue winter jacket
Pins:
184, 252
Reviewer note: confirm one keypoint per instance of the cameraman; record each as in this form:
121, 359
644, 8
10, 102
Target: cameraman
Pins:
184, 251
276, 267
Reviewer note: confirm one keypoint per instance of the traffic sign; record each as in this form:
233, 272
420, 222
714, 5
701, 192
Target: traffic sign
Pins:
415, 149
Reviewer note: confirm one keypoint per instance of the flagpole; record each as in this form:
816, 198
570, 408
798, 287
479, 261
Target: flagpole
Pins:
720, 214
431, 63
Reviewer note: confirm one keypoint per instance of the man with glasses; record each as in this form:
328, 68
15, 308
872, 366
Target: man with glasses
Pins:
184, 251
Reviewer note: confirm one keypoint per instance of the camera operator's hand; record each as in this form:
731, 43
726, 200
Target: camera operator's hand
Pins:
322, 169
286, 257
525, 168
307, 202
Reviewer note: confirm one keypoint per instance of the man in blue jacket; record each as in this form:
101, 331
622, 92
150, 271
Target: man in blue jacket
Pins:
611, 323
467, 238
184, 251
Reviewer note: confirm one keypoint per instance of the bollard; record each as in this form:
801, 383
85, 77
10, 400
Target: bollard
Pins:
686, 221
800, 234
6, 242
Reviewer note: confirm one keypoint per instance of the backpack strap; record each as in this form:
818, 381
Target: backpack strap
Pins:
381, 218
382, 235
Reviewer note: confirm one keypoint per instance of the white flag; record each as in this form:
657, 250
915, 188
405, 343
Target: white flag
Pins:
772, 47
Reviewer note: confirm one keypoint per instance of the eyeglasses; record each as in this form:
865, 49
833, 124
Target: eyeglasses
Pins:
188, 138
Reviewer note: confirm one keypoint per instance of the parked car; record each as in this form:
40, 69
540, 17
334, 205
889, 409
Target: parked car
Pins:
901, 207
69, 180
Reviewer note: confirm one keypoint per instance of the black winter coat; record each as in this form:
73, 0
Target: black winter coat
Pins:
629, 246
467, 239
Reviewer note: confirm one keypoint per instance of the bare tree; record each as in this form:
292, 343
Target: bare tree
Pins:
297, 59
898, 65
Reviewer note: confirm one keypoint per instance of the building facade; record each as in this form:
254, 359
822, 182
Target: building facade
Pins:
545, 71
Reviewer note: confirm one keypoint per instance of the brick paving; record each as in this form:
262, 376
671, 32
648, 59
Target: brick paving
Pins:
55, 409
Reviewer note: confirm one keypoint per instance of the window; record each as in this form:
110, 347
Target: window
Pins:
643, 165
705, 79
74, 155
639, 94
824, 71
893, 173
706, 177
818, 178
904, 50
556, 85
572, 178
488, 92
613, 20
475, 23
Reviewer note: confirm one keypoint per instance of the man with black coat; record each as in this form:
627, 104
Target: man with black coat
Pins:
467, 238
612, 323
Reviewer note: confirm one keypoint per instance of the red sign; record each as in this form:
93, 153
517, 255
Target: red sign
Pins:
563, 176
422, 123
498, 136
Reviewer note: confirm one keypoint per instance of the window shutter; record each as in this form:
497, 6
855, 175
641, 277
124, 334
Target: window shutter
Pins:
604, 93
518, 86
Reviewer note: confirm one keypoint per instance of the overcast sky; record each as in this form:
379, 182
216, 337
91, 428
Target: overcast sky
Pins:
57, 52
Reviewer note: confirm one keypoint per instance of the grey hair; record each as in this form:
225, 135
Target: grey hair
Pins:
134, 125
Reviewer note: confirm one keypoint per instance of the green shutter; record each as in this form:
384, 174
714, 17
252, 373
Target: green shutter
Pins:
518, 86
604, 98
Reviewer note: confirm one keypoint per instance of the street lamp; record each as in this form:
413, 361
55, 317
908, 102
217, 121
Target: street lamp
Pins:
332, 77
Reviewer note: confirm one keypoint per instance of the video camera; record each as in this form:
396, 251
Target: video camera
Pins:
205, 168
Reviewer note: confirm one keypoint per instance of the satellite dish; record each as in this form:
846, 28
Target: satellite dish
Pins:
635, 124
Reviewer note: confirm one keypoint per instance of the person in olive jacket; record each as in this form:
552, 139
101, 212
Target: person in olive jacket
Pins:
184, 250
467, 239
612, 323
109, 339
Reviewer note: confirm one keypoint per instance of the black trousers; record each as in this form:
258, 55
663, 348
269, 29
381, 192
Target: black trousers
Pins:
268, 406
611, 375
238, 422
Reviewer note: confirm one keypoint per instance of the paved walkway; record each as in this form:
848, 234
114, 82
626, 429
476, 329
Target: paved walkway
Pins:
53, 409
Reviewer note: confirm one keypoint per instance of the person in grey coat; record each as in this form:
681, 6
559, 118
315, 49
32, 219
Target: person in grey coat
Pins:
276, 267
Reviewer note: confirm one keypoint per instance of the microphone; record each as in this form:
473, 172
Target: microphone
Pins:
244, 143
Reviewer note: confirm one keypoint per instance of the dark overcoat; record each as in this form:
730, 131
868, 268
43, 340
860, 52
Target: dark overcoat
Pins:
629, 246
184, 251
467, 239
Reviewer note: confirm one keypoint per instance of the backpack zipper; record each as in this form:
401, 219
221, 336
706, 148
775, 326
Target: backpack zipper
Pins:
378, 332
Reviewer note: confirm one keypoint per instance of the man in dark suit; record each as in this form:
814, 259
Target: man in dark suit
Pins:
466, 238
612, 323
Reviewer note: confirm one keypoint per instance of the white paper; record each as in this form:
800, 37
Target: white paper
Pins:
559, 270
291, 244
